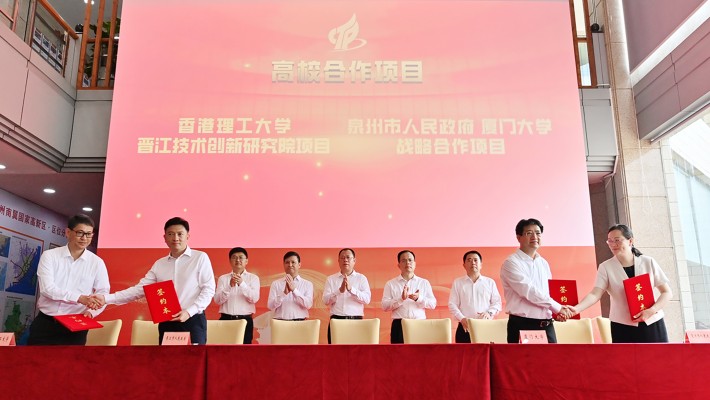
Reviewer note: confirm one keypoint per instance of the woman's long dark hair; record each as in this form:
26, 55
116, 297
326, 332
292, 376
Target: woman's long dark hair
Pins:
626, 232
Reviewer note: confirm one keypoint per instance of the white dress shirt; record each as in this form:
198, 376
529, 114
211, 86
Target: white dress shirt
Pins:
409, 309
62, 280
526, 288
351, 302
191, 274
295, 304
469, 298
240, 299
611, 276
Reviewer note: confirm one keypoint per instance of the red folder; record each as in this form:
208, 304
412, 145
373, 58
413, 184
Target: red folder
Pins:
639, 293
162, 301
77, 322
564, 292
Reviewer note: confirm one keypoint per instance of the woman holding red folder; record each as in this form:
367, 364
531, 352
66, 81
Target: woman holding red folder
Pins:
647, 326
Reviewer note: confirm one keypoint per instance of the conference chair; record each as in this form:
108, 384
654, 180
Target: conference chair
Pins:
574, 331
106, 336
426, 330
604, 326
295, 332
226, 332
488, 330
355, 331
144, 333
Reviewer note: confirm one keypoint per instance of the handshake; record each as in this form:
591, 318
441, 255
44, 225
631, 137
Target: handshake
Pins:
92, 302
566, 313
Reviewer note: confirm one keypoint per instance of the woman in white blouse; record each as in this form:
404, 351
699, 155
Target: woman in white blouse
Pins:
646, 326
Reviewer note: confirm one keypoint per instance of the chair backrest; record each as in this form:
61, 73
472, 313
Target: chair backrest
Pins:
426, 330
106, 336
295, 332
144, 333
604, 326
355, 331
575, 331
226, 332
488, 330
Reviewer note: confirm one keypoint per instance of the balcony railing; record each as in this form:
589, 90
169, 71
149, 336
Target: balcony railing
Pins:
99, 46
41, 27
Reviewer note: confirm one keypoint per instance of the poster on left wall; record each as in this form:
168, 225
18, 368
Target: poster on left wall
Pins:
19, 260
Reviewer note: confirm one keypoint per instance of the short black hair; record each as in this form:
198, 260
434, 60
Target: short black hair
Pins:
405, 251
177, 221
291, 254
80, 219
238, 250
480, 257
346, 249
527, 222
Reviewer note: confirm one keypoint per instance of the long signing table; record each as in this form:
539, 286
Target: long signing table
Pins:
480, 371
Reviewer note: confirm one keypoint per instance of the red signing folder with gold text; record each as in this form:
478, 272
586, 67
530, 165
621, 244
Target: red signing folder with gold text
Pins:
564, 292
77, 322
162, 301
639, 293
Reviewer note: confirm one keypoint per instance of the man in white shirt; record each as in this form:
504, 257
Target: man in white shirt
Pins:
67, 276
406, 296
347, 292
191, 273
238, 291
291, 297
473, 296
525, 276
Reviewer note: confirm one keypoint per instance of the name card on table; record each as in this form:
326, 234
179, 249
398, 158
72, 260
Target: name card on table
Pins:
176, 338
564, 292
162, 301
77, 322
697, 336
639, 293
7, 339
533, 337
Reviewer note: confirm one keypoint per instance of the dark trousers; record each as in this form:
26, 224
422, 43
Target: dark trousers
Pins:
47, 331
396, 335
461, 335
517, 324
341, 317
654, 333
249, 332
196, 325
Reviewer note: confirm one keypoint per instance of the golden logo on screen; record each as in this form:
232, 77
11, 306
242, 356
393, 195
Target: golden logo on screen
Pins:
345, 38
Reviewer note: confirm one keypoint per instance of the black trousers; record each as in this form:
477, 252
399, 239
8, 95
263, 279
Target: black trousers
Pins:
654, 333
196, 325
249, 332
47, 331
341, 317
461, 335
517, 324
396, 335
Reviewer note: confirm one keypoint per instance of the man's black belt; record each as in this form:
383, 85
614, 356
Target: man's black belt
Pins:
544, 323
346, 316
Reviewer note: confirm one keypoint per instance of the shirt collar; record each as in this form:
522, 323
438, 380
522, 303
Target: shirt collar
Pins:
186, 253
525, 255
66, 253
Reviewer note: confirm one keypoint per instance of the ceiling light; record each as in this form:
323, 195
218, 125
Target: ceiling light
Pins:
49, 190
2, 166
88, 209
